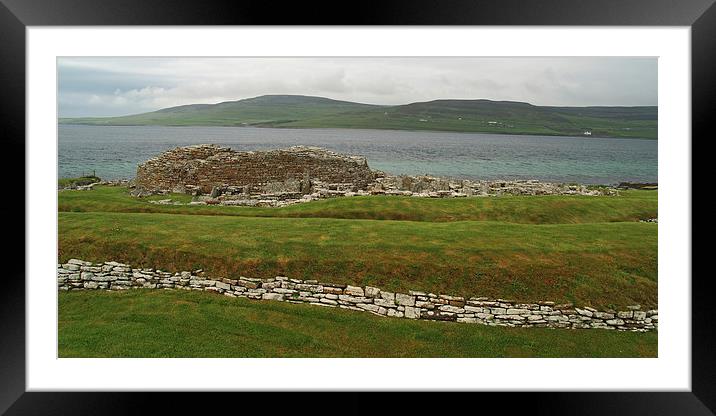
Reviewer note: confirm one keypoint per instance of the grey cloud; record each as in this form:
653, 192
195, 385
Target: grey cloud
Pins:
332, 81
117, 86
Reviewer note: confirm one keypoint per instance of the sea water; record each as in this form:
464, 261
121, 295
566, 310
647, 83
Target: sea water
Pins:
113, 152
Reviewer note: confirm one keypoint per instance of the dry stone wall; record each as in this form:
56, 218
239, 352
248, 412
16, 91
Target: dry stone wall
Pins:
219, 175
83, 275
202, 168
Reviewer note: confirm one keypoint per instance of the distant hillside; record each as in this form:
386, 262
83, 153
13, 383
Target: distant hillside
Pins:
487, 116
251, 111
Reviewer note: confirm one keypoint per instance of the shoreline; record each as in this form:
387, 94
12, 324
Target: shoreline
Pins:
364, 129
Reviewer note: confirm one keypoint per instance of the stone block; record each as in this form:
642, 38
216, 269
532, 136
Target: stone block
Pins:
603, 315
557, 318
353, 290
451, 309
272, 296
424, 304
395, 313
372, 292
310, 287
248, 284
384, 303
515, 311
369, 307
270, 285
405, 300
584, 312
91, 285
412, 313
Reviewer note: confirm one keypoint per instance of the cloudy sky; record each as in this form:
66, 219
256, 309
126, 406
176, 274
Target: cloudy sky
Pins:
119, 86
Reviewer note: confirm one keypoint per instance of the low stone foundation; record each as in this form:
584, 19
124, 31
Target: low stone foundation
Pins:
211, 169
218, 175
84, 275
118, 182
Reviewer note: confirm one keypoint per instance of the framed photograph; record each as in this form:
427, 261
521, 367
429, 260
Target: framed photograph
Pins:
480, 198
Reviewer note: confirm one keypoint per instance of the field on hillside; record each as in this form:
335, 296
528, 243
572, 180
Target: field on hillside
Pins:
477, 116
444, 118
190, 324
587, 250
591, 251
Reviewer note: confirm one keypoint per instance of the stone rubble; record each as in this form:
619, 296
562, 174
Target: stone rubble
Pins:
83, 275
214, 170
221, 176
89, 187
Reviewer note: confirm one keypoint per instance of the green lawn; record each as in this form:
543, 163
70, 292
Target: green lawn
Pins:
601, 264
553, 209
197, 324
586, 250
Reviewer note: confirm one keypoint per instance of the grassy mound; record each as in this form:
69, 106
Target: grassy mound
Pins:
551, 209
529, 250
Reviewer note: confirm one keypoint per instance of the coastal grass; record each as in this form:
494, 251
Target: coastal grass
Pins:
629, 206
596, 264
79, 181
144, 323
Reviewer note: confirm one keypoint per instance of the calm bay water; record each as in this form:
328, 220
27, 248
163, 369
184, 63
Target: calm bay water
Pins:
114, 152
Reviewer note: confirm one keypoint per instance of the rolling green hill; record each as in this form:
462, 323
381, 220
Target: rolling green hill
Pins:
251, 111
486, 116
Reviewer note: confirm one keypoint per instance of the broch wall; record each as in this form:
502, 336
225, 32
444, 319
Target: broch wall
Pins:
219, 175
203, 168
82, 275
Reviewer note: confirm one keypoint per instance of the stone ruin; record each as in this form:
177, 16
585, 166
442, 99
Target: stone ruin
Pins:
220, 175
206, 169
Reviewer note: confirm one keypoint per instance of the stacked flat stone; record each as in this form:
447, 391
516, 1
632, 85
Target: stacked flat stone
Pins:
437, 187
202, 168
220, 175
83, 275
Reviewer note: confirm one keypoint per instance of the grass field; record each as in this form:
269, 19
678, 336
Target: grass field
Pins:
190, 324
630, 206
586, 250
483, 116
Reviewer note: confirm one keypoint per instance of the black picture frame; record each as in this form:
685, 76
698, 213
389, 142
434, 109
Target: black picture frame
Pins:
16, 15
